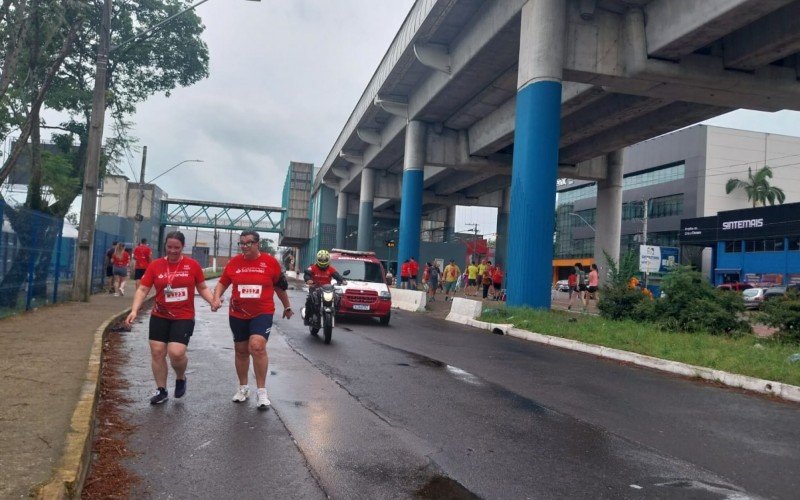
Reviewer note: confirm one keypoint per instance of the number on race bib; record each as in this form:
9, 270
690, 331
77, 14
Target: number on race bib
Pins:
176, 295
250, 291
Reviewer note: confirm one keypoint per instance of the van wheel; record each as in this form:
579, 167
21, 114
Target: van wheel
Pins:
385, 319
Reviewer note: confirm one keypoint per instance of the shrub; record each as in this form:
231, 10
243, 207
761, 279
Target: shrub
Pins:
783, 313
617, 301
692, 304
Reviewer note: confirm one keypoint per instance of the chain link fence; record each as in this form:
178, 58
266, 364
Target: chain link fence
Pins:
37, 259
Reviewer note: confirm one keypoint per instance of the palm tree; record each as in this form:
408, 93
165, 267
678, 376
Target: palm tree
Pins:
757, 187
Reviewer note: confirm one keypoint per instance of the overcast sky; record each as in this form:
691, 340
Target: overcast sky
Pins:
284, 77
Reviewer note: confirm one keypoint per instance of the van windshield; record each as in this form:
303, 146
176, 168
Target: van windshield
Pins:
360, 270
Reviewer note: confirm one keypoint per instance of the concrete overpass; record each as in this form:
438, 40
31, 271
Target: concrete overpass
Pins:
486, 102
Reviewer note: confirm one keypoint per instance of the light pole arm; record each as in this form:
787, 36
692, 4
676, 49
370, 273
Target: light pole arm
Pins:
148, 32
171, 169
584, 221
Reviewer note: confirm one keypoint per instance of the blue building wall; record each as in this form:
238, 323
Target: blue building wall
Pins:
785, 263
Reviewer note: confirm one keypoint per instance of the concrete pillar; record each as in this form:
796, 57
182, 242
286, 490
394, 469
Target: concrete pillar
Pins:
411, 203
450, 225
341, 219
608, 223
501, 239
364, 242
536, 135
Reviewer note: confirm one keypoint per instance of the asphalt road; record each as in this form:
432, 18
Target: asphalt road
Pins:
429, 408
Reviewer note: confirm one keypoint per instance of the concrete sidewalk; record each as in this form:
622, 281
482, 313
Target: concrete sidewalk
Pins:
50, 364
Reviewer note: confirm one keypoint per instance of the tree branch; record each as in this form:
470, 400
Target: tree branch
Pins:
36, 105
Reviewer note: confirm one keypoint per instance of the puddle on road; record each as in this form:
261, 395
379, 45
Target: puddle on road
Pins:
456, 372
444, 487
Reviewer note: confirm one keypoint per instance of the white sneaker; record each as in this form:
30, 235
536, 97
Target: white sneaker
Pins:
242, 394
262, 401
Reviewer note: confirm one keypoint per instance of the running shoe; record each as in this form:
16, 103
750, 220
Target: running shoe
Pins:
180, 388
242, 394
262, 401
159, 396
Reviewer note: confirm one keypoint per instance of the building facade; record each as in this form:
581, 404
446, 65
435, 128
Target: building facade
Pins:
677, 176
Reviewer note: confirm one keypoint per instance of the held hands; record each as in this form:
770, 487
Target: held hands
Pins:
216, 303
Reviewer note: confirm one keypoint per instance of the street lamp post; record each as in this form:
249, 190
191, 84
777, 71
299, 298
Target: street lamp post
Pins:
138, 218
82, 287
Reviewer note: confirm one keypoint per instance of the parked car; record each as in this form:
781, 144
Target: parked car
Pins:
562, 286
780, 291
753, 297
735, 287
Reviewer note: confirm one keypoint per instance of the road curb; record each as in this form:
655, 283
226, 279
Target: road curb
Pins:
784, 391
67, 479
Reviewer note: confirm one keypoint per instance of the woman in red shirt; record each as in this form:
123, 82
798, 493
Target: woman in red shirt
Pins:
120, 260
172, 320
255, 276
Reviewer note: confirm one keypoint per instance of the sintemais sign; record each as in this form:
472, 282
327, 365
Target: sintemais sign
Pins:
745, 224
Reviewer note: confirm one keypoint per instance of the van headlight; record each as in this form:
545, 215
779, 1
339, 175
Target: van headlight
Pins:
385, 295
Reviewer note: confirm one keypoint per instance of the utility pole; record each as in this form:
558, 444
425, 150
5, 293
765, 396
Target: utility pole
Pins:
83, 260
216, 244
645, 205
137, 219
474, 239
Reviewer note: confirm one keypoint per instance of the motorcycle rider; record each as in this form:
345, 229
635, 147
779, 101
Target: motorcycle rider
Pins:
316, 275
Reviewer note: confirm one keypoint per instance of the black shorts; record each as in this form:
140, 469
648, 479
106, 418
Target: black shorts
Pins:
573, 289
242, 329
472, 282
582, 288
171, 330
109, 271
138, 273
592, 289
497, 285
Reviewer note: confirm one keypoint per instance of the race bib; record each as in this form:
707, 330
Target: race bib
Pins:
177, 295
250, 291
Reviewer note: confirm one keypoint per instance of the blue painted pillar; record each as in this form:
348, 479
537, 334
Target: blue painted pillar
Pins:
536, 136
367, 200
341, 219
411, 202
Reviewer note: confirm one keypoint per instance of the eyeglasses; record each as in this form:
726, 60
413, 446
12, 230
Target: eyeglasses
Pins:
246, 244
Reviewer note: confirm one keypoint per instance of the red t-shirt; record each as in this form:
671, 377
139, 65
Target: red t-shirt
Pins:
413, 268
497, 276
143, 255
405, 270
183, 278
121, 261
253, 285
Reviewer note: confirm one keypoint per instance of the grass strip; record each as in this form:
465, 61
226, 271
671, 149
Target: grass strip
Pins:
746, 355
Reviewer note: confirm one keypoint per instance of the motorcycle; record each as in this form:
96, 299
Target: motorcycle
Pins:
324, 316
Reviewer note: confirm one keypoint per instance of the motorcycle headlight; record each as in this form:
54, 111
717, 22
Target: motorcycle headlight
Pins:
327, 296
386, 295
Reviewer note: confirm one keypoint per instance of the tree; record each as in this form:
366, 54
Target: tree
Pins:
55, 70
757, 187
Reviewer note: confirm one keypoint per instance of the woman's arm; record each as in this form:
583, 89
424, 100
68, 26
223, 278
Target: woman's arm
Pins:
205, 292
287, 307
138, 300
216, 301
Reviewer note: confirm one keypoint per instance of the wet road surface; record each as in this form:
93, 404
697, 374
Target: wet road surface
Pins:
398, 411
